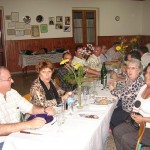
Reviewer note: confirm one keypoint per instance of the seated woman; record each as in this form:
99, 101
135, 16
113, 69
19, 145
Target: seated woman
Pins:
63, 71
125, 135
43, 92
127, 93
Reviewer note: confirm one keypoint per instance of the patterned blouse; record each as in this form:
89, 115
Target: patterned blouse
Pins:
40, 96
127, 94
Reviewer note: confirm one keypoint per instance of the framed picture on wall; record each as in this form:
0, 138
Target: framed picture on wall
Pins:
58, 26
7, 17
67, 20
51, 20
35, 31
19, 25
27, 32
11, 32
11, 24
43, 28
15, 16
19, 32
59, 19
67, 28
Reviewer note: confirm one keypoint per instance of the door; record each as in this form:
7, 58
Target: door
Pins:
2, 53
84, 26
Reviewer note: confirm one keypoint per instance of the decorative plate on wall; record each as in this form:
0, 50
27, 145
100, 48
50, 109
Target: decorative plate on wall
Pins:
27, 19
117, 18
39, 18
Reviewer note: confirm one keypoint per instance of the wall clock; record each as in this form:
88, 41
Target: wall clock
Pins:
117, 18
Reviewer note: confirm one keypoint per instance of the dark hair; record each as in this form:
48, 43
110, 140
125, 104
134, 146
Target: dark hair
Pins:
77, 47
116, 43
143, 49
135, 54
145, 69
65, 54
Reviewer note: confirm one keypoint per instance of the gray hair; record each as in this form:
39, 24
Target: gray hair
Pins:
136, 62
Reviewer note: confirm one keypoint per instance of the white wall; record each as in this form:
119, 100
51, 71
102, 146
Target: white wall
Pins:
130, 13
146, 18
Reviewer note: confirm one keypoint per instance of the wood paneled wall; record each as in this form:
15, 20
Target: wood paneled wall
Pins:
13, 47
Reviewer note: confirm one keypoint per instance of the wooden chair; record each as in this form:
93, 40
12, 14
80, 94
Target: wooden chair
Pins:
139, 145
27, 96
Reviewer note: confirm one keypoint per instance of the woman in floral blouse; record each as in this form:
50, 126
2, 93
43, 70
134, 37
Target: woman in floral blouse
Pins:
126, 92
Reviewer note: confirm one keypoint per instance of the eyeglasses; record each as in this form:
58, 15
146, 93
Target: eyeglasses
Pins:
132, 68
9, 79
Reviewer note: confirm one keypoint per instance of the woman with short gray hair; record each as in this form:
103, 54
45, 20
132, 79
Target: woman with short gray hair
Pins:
126, 92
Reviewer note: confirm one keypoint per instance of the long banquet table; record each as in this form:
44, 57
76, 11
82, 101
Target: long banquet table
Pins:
79, 133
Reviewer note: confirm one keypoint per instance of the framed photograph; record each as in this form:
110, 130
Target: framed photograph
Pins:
35, 31
15, 16
67, 20
67, 28
27, 26
19, 32
51, 20
59, 19
58, 26
11, 24
27, 32
19, 25
7, 17
43, 28
11, 32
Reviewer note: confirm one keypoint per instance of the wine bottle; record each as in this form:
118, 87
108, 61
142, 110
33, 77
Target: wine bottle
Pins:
104, 75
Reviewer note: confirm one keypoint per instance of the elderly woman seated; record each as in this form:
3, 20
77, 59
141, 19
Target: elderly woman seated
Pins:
43, 92
127, 93
125, 135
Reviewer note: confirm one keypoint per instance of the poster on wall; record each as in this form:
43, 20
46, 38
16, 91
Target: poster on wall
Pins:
67, 28
59, 19
11, 32
35, 31
43, 28
51, 20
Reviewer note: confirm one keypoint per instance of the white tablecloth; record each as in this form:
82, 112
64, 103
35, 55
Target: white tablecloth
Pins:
79, 133
28, 60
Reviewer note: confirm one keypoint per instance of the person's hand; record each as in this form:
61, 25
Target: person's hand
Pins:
137, 118
37, 122
112, 85
50, 111
67, 94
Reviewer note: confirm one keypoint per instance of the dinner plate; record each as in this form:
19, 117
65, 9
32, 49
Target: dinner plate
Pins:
104, 100
45, 116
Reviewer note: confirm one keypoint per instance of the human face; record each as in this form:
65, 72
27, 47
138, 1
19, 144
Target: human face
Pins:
132, 71
78, 53
104, 49
45, 75
147, 76
5, 81
98, 51
69, 57
129, 57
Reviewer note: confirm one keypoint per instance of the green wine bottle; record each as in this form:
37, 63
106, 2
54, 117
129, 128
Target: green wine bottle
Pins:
104, 75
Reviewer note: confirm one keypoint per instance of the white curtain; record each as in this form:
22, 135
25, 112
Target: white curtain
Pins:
78, 30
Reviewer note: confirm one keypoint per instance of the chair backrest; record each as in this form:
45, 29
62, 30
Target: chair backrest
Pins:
140, 134
27, 96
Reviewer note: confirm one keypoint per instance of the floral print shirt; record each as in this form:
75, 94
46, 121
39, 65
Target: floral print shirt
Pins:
127, 94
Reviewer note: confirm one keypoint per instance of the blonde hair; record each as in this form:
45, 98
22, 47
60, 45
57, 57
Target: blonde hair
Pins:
44, 64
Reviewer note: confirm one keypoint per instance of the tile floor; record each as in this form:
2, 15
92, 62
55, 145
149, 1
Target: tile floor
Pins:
22, 83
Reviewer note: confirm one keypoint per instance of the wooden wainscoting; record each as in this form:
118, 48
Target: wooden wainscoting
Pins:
13, 48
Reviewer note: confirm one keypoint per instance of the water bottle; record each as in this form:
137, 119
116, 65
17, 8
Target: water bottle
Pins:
104, 75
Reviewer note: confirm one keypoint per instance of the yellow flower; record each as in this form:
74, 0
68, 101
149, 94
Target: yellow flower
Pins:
64, 61
77, 65
118, 48
133, 40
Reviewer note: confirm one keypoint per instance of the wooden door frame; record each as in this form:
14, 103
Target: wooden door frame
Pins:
96, 19
2, 49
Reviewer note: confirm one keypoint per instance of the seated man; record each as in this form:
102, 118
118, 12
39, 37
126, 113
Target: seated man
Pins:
79, 58
94, 59
11, 100
112, 53
63, 71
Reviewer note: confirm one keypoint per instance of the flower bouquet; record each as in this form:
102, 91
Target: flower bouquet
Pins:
134, 43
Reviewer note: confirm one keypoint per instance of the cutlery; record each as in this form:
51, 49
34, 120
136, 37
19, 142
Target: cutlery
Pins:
27, 132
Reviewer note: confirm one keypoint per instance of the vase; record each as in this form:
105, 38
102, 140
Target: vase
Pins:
79, 97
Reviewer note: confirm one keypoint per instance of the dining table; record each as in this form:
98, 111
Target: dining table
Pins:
78, 132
